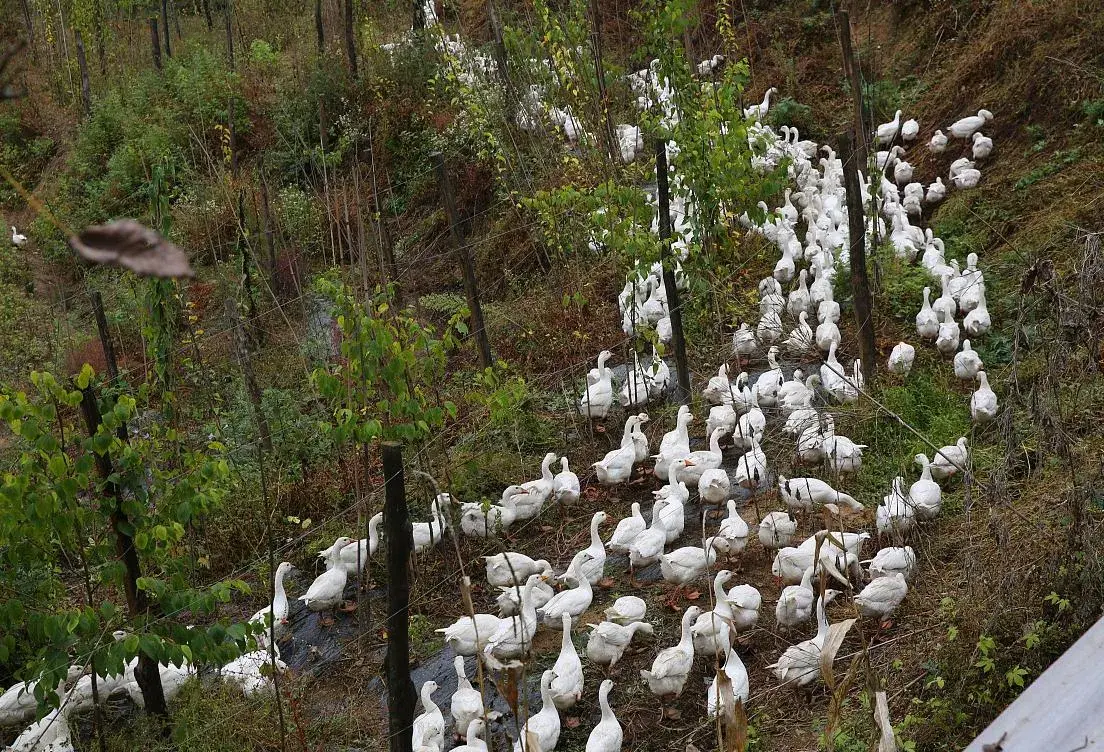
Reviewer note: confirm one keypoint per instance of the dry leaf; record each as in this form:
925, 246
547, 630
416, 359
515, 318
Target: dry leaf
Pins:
693, 595
571, 722
836, 633
737, 736
881, 716
133, 246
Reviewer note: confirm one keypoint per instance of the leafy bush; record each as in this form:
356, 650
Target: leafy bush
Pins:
903, 287
788, 111
299, 215
261, 55
1093, 109
23, 153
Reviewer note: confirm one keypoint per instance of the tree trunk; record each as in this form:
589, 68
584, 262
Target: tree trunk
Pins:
101, 42
600, 71
674, 301
267, 230
854, 74
400, 688
147, 673
350, 38
28, 18
467, 268
207, 14
176, 19
165, 27
860, 282
318, 28
86, 86
419, 22
156, 43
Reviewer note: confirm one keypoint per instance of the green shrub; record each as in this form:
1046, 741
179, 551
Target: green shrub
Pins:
788, 111
23, 153
1093, 110
262, 56
300, 217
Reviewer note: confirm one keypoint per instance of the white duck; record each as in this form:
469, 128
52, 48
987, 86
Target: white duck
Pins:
891, 560
510, 568
712, 631
609, 640
571, 603
509, 599
429, 727
714, 486
514, 636
273, 619
705, 459
684, 565
18, 239
776, 529
479, 520
800, 663
983, 402
882, 596
591, 561
352, 555
565, 486
607, 735
937, 191
968, 178
983, 146
901, 358
567, 681
474, 736
327, 590
598, 397
910, 129
468, 637
675, 444
978, 321
738, 679
946, 341
801, 337
938, 143
968, 126
749, 428
799, 299
733, 529
751, 468
743, 341
896, 514
967, 362
795, 603
616, 467
671, 667
886, 132
745, 601
925, 494
927, 321
719, 388
467, 703
542, 729
949, 460
759, 111
537, 492
627, 530
802, 494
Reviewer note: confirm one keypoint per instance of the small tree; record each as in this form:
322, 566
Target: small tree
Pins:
62, 521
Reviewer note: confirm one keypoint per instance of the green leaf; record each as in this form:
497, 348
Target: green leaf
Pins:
84, 378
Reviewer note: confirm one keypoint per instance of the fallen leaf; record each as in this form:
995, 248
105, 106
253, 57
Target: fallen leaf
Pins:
605, 582
836, 633
693, 595
133, 246
571, 722
672, 713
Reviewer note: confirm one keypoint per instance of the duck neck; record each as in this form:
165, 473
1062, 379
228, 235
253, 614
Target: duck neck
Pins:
546, 468
373, 532
595, 540
607, 711
427, 699
715, 440
279, 595
626, 437
925, 473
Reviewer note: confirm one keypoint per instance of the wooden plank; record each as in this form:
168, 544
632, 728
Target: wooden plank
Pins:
1060, 711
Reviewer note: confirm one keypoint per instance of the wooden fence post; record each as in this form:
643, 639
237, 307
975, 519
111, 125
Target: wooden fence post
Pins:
674, 302
350, 38
467, 267
860, 281
854, 74
105, 336
147, 673
400, 688
499, 43
155, 42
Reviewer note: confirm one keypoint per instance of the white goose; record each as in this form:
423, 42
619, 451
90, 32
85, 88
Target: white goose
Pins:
474, 737
795, 603
509, 599
627, 609
896, 515
799, 299
512, 568
591, 561
967, 362
671, 667
598, 397
927, 321
352, 555
327, 590
700, 461
712, 631
467, 703
886, 132
514, 636
983, 146
949, 460
968, 126
925, 494
18, 239
719, 388
901, 358
675, 444
802, 337
627, 530
751, 468
737, 675
616, 467
882, 596
542, 729
567, 681
571, 603
800, 663
684, 565
607, 735
274, 619
609, 640
983, 402
776, 529
937, 191
429, 727
734, 530
759, 111
946, 341
565, 486
467, 636
714, 486
938, 143
978, 321
892, 559
743, 341
478, 520
801, 494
